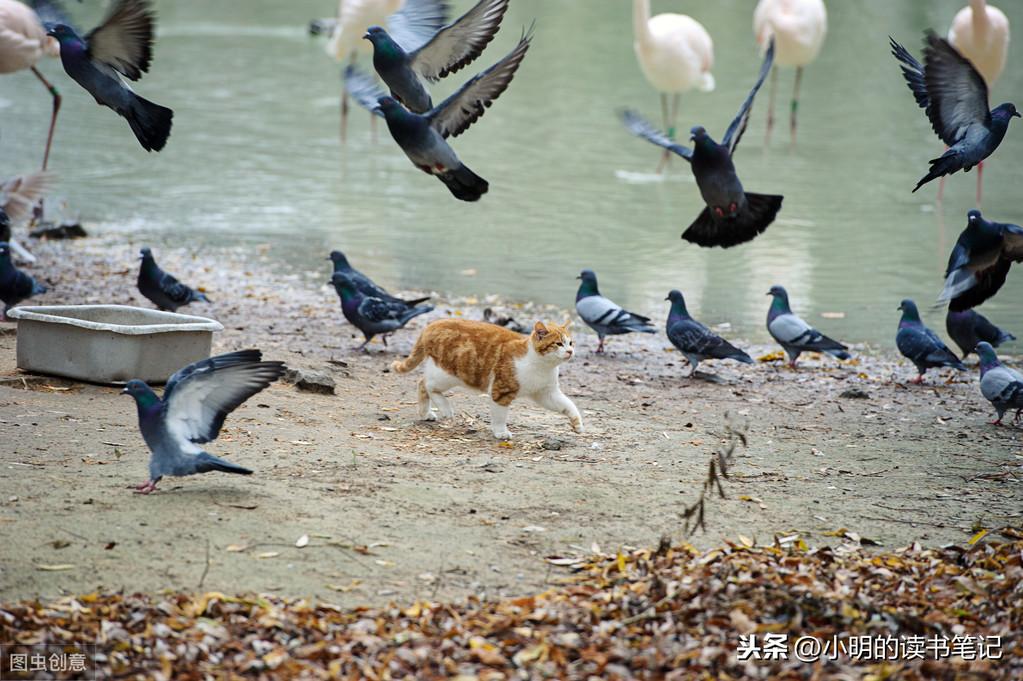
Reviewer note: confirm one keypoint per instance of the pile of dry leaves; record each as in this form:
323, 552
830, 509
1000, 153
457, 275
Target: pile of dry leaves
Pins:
670, 612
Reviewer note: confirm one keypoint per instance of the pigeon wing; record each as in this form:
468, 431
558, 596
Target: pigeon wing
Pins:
456, 113
124, 41
1012, 242
20, 194
641, 127
364, 89
958, 94
199, 397
738, 125
416, 22
457, 45
174, 289
378, 310
789, 328
913, 72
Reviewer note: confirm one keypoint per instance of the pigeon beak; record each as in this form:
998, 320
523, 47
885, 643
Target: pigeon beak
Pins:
366, 36
667, 298
124, 391
1018, 115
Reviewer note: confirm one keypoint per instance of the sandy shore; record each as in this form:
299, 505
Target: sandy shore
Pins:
397, 509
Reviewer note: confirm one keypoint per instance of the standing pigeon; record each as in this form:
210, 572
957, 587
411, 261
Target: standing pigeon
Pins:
696, 341
195, 403
1002, 386
794, 334
452, 48
370, 314
954, 96
364, 284
732, 216
120, 46
921, 345
423, 137
162, 289
969, 327
15, 285
603, 315
980, 261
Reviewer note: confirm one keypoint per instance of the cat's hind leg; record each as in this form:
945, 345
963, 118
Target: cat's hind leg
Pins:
425, 406
499, 421
436, 381
557, 401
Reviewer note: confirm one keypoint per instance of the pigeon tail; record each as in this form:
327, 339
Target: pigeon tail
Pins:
150, 122
946, 164
206, 462
464, 184
758, 214
415, 312
415, 301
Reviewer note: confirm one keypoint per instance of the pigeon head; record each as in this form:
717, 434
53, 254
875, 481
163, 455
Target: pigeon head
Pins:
145, 253
698, 134
988, 358
5, 253
588, 287
779, 292
144, 396
678, 304
383, 43
909, 311
1005, 112
339, 259
389, 105
780, 302
5, 220
64, 34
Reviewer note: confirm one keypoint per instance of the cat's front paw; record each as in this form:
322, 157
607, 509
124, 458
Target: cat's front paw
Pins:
577, 425
503, 434
430, 416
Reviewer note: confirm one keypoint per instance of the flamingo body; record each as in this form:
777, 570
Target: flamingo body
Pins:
23, 40
798, 27
980, 33
353, 18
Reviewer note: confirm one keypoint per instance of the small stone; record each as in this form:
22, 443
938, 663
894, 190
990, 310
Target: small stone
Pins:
310, 381
552, 444
855, 394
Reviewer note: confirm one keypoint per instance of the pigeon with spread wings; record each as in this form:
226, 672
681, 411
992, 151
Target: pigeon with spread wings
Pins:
980, 261
120, 46
954, 96
452, 48
423, 137
195, 404
733, 215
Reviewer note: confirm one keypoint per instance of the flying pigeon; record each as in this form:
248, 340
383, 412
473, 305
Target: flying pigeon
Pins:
954, 96
423, 137
696, 341
794, 334
969, 327
920, 345
1000, 385
732, 216
364, 284
980, 261
120, 46
162, 289
19, 197
452, 48
603, 315
370, 314
15, 285
195, 403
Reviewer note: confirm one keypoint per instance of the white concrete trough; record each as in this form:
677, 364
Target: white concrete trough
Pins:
109, 343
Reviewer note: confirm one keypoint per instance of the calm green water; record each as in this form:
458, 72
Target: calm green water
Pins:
255, 157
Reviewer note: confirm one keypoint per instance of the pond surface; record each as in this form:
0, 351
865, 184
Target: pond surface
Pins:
255, 158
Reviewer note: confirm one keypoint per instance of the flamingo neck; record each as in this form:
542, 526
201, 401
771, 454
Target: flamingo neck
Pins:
641, 20
978, 10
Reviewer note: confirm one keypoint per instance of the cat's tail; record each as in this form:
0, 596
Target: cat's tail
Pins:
406, 365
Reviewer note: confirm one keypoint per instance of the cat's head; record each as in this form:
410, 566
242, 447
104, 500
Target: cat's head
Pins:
553, 341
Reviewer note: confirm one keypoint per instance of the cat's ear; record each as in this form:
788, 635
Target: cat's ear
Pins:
568, 323
540, 330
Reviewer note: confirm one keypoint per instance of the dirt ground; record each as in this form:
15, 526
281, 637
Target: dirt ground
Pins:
397, 509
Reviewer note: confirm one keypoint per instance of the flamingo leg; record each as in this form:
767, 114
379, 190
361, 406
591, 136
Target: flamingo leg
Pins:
795, 103
344, 114
53, 118
770, 104
667, 125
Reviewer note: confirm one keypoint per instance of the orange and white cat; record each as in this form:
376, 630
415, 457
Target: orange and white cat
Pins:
491, 359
